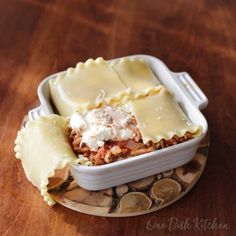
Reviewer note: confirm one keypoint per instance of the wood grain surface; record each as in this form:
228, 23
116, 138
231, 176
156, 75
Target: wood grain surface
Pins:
41, 37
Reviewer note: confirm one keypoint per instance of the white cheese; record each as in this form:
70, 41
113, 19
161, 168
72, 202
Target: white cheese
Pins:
100, 125
77, 122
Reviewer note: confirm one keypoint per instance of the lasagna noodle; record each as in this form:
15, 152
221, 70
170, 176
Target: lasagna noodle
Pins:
135, 74
43, 147
160, 117
87, 86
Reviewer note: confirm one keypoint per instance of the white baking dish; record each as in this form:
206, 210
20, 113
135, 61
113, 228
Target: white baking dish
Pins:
186, 93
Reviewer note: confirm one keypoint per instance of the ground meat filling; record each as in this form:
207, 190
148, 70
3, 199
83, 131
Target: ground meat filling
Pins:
114, 150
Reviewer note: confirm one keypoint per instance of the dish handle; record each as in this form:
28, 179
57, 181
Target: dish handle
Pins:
190, 89
36, 112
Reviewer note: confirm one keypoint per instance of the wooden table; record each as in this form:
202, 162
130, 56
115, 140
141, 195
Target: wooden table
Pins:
39, 38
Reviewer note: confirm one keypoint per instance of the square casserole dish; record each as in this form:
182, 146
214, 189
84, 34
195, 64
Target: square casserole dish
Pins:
186, 93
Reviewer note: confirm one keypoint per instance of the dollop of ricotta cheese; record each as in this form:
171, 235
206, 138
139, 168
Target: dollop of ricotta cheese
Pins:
77, 122
103, 124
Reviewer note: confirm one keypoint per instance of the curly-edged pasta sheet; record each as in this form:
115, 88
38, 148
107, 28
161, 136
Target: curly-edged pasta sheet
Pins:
135, 74
87, 86
43, 148
160, 117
